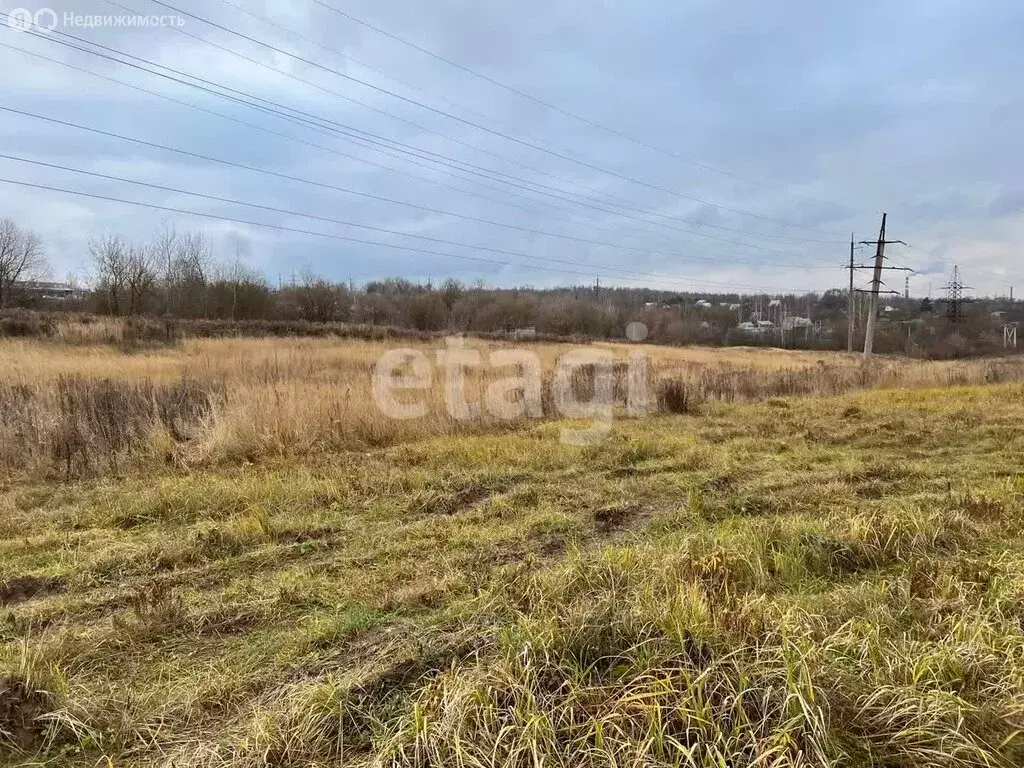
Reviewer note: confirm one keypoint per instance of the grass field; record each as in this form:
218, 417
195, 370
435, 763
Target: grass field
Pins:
77, 409
773, 578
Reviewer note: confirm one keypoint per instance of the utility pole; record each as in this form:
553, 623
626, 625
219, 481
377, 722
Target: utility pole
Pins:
876, 284
906, 286
851, 311
597, 288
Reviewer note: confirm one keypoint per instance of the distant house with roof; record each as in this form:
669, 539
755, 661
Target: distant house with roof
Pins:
49, 291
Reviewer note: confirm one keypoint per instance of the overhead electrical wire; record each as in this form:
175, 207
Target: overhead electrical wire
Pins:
311, 121
384, 230
348, 57
382, 198
560, 110
286, 136
478, 126
616, 200
320, 124
346, 238
315, 121
590, 223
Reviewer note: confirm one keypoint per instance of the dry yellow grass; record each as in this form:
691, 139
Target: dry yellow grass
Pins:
801, 583
247, 397
30, 361
221, 554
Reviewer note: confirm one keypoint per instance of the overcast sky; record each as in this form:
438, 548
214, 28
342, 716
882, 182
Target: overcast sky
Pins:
727, 145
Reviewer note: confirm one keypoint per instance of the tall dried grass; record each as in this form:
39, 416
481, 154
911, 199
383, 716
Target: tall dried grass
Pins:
86, 408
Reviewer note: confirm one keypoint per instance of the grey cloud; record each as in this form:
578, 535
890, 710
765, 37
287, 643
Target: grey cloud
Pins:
826, 113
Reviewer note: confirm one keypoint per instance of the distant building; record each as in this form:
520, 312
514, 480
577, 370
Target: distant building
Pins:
756, 327
42, 289
792, 323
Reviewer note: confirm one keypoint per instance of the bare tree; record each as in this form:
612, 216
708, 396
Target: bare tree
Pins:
193, 269
110, 259
320, 300
451, 291
239, 292
182, 262
21, 259
164, 249
140, 277
237, 273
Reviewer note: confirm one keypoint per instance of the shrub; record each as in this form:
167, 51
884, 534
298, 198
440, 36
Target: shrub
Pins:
677, 396
27, 324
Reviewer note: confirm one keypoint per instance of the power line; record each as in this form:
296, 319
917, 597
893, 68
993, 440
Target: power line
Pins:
617, 200
314, 122
271, 132
346, 56
310, 120
348, 190
478, 126
349, 57
288, 212
287, 136
336, 94
315, 217
278, 227
328, 235
555, 107
309, 123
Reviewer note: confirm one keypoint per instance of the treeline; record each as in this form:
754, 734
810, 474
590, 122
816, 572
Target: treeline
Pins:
178, 275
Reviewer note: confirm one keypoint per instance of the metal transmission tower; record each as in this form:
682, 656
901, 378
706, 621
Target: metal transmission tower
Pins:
955, 296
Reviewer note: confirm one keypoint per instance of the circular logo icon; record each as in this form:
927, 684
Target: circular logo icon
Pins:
20, 19
46, 19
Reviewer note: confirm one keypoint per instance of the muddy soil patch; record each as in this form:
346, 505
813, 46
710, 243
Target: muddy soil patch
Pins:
608, 520
21, 710
22, 588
